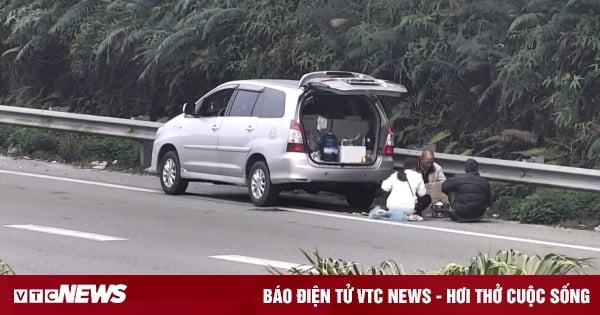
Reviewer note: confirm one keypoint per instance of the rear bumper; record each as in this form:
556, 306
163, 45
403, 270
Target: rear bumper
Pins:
296, 168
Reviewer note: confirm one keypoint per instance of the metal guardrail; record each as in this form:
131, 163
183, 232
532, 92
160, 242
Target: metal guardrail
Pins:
494, 169
514, 171
108, 126
100, 125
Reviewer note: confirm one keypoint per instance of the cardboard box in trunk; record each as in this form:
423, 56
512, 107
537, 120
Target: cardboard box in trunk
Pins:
352, 154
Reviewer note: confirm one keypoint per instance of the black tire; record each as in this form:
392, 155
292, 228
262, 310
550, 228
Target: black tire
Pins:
170, 175
361, 198
262, 192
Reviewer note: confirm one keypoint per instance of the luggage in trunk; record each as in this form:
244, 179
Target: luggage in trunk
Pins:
340, 129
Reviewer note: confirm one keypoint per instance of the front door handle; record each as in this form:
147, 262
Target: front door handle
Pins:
250, 128
215, 127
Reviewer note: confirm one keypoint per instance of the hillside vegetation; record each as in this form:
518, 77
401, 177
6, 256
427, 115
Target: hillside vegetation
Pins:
505, 79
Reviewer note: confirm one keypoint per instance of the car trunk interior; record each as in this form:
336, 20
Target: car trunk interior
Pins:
340, 129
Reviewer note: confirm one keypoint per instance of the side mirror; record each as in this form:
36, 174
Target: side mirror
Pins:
189, 109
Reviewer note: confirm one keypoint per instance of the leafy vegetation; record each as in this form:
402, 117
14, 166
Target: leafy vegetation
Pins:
557, 207
513, 262
503, 79
330, 266
68, 147
507, 79
505, 262
5, 269
551, 206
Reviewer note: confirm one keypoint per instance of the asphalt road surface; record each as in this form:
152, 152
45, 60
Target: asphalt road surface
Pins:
57, 219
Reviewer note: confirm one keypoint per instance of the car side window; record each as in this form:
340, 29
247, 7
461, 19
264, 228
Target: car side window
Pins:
270, 104
243, 104
215, 104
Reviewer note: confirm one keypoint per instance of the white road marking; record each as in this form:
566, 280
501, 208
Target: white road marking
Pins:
63, 232
259, 261
80, 181
438, 229
332, 215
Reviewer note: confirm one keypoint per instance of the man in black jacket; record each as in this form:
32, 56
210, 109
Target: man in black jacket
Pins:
469, 194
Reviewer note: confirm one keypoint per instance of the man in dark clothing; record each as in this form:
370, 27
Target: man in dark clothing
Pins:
469, 194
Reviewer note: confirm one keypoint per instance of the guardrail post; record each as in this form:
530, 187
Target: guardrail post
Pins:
146, 153
145, 146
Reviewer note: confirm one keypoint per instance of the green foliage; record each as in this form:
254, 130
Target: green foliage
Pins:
505, 196
513, 262
505, 262
5, 269
111, 149
5, 132
70, 147
439, 136
319, 265
552, 206
523, 75
546, 206
31, 140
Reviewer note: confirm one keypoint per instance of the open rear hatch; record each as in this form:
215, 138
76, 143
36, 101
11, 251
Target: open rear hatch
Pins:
351, 83
342, 120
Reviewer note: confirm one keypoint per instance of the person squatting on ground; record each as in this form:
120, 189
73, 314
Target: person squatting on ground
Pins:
430, 170
469, 194
406, 191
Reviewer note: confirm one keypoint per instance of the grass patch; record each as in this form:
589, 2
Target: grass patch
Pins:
69, 147
547, 206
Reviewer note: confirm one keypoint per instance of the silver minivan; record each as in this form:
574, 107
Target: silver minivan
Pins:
325, 132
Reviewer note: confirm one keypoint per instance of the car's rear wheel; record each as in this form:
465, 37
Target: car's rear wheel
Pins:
170, 175
262, 192
361, 198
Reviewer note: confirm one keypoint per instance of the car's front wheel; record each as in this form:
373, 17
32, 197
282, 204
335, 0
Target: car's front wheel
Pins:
170, 175
262, 192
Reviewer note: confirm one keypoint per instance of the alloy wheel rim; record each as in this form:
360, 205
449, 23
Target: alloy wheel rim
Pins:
169, 173
258, 184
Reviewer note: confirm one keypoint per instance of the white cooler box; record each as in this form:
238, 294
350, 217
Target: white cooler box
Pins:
352, 154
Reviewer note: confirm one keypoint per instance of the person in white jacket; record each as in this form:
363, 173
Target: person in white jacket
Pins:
406, 190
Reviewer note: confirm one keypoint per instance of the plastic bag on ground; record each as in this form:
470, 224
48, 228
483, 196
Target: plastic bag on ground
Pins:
392, 214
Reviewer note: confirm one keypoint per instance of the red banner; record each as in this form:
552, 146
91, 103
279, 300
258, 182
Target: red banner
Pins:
299, 295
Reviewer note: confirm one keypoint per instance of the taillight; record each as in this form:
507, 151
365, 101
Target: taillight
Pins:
388, 147
295, 139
